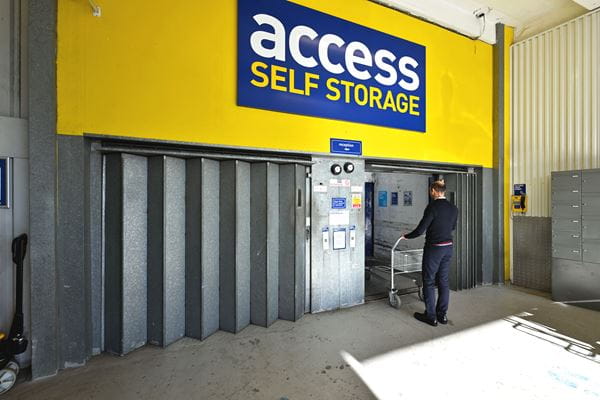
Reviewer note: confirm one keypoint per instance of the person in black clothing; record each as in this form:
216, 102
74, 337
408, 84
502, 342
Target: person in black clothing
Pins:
439, 220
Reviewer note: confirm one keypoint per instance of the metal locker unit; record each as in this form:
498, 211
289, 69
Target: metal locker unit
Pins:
576, 237
166, 250
126, 247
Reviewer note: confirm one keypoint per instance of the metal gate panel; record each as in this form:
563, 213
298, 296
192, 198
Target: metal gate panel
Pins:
126, 253
166, 250
202, 247
234, 270
292, 221
264, 278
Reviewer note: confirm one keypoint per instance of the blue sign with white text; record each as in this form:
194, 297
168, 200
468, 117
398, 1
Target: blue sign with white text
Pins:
382, 199
520, 189
298, 60
3, 182
341, 146
338, 203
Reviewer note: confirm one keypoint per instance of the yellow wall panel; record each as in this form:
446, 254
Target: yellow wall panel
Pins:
167, 70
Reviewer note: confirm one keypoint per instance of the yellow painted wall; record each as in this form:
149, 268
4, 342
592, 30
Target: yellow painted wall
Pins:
167, 70
508, 40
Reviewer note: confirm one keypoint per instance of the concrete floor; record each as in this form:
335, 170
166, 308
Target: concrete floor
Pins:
302, 360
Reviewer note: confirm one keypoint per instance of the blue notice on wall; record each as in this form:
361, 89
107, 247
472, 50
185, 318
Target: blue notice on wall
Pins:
338, 203
520, 189
3, 182
350, 147
394, 198
383, 199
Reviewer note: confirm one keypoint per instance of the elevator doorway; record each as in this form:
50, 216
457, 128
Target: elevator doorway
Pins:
400, 196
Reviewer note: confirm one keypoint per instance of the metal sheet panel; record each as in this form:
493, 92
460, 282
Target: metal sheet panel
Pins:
591, 250
166, 250
591, 227
532, 264
113, 236
42, 182
155, 251
234, 273
576, 282
264, 279
135, 256
567, 211
567, 252
590, 204
174, 245
292, 241
95, 254
202, 248
210, 247
337, 276
566, 197
555, 119
73, 298
591, 181
568, 239
566, 224
126, 253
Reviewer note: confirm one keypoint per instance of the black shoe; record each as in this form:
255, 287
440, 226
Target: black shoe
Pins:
442, 319
424, 318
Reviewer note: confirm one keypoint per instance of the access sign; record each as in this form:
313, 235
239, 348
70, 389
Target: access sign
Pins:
294, 59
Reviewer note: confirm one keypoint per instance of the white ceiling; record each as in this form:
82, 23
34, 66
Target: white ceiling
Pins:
528, 17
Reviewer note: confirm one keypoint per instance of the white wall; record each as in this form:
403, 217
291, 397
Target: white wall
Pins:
392, 221
555, 106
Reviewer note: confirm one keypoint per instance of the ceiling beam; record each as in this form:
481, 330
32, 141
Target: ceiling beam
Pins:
475, 22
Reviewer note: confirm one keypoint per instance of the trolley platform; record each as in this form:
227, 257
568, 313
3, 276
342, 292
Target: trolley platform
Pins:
406, 263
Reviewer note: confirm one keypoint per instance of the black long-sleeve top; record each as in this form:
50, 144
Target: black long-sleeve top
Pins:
439, 220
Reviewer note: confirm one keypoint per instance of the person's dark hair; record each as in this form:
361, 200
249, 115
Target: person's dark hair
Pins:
439, 186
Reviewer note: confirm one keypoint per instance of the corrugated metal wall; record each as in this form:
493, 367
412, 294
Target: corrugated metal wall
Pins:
555, 108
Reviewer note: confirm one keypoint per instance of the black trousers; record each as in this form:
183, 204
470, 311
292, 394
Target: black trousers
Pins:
436, 268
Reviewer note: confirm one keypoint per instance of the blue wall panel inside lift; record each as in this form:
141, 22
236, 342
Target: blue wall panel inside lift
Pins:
3, 182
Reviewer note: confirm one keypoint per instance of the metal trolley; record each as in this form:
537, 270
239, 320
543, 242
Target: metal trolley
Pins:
408, 262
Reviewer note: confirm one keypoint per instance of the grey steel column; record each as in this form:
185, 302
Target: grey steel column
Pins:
264, 279
292, 221
166, 250
94, 255
202, 248
234, 249
73, 279
42, 183
498, 185
126, 253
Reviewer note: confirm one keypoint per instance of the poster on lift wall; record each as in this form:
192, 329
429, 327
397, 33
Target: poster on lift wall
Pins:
298, 60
